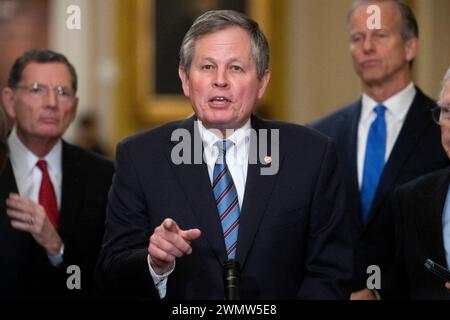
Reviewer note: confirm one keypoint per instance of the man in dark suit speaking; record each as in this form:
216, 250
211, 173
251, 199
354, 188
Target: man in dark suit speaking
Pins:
52, 194
387, 137
267, 195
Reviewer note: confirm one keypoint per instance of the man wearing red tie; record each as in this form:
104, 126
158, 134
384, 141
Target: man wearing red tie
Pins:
53, 194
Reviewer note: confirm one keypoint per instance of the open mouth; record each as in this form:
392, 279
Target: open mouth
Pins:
219, 101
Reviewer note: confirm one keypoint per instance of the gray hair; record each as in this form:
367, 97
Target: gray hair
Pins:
409, 27
216, 20
39, 56
445, 82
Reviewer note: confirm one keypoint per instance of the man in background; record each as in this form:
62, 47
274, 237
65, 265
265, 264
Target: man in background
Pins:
87, 135
386, 137
52, 194
422, 210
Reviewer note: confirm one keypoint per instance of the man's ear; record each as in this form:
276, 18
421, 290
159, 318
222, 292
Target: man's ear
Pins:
8, 102
411, 48
263, 83
184, 77
74, 108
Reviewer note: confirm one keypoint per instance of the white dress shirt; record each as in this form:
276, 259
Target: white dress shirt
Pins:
237, 160
237, 154
28, 176
397, 107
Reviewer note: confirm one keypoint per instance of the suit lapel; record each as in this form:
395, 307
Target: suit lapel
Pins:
71, 189
429, 221
14, 244
258, 189
8, 181
417, 120
194, 181
349, 144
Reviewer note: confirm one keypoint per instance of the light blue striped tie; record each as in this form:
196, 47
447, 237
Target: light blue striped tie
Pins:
373, 161
226, 199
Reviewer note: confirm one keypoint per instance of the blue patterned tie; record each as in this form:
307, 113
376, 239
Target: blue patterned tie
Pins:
226, 199
373, 161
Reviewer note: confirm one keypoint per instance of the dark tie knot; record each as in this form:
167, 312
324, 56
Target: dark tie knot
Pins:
42, 164
379, 110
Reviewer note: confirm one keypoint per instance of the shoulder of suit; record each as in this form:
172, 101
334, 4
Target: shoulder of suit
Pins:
83, 156
157, 135
160, 135
423, 100
291, 133
425, 182
333, 119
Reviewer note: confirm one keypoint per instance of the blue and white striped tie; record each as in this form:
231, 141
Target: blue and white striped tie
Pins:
226, 199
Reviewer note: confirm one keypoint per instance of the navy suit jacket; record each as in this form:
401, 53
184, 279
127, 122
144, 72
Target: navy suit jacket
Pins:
293, 237
418, 207
417, 151
25, 270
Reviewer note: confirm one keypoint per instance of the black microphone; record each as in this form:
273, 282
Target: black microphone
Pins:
231, 279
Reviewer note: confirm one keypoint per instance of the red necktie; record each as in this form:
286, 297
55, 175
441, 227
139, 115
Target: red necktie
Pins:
47, 197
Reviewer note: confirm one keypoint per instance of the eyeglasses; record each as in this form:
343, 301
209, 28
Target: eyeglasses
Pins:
41, 91
441, 115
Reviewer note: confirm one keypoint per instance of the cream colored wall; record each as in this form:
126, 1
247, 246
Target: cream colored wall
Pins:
321, 77
434, 55
92, 51
77, 46
107, 71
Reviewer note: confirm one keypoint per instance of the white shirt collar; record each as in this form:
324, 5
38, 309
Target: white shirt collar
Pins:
240, 138
398, 105
23, 160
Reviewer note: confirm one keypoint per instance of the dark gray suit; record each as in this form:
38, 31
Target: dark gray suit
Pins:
418, 207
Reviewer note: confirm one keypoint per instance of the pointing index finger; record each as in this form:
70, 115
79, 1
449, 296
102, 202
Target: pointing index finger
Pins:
170, 225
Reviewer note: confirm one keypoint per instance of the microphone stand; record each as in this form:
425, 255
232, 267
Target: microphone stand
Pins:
231, 279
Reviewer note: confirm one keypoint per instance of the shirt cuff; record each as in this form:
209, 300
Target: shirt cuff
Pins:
57, 260
160, 280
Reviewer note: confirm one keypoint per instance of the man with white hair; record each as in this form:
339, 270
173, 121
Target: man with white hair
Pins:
422, 210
